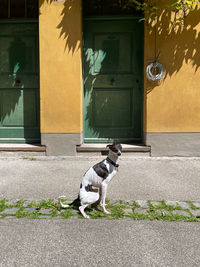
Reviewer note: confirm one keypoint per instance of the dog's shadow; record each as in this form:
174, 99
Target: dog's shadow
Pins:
76, 204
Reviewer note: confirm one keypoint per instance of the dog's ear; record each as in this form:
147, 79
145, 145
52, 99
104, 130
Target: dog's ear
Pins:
109, 146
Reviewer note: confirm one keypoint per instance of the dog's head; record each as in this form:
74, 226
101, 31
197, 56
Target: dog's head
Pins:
116, 149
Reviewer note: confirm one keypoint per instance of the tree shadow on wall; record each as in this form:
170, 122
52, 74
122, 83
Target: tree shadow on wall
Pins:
182, 43
175, 44
68, 31
14, 61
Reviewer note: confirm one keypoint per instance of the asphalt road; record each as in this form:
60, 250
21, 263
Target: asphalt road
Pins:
76, 242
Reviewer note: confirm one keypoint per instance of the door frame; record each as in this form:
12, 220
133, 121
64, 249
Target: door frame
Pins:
108, 140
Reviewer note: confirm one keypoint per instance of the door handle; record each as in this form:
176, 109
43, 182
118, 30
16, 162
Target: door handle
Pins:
17, 81
112, 81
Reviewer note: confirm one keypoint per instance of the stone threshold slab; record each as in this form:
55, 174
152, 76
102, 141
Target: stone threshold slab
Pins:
91, 147
22, 147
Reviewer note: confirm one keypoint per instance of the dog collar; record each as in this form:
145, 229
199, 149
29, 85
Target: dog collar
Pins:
112, 162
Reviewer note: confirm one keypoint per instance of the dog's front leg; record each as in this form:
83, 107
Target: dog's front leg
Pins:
103, 197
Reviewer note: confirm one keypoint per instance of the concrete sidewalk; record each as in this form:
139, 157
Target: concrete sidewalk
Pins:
142, 178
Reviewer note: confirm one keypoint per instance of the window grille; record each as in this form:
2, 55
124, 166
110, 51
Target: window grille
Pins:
109, 7
18, 9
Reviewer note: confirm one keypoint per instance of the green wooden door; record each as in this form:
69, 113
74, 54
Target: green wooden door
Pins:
19, 82
113, 80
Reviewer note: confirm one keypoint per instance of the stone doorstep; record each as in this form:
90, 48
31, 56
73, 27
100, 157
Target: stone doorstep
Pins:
22, 147
126, 148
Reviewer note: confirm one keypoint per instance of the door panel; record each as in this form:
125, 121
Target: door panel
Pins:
19, 82
113, 80
116, 99
114, 53
12, 108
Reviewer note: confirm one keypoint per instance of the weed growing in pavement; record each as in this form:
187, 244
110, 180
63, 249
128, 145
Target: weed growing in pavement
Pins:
67, 213
192, 206
2, 204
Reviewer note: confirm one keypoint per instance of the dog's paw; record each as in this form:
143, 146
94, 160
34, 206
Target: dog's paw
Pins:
87, 217
107, 212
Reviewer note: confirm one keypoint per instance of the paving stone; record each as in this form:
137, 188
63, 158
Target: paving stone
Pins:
114, 202
9, 211
196, 213
75, 212
45, 212
156, 203
184, 205
30, 210
36, 201
140, 210
128, 211
162, 212
27, 202
12, 202
181, 212
124, 202
142, 203
45, 217
196, 204
131, 202
171, 203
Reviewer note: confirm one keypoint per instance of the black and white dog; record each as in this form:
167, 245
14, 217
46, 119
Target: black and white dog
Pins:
97, 176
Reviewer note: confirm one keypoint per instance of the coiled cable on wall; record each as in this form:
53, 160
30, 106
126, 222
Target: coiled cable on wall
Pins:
155, 72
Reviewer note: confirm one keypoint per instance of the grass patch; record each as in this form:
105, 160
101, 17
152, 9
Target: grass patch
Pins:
117, 211
46, 204
19, 203
21, 213
96, 214
67, 213
139, 216
2, 204
158, 210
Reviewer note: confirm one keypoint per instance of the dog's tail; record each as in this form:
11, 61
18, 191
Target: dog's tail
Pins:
61, 204
74, 203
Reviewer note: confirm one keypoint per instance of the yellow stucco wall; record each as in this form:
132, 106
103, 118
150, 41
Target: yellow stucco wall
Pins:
174, 105
60, 32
